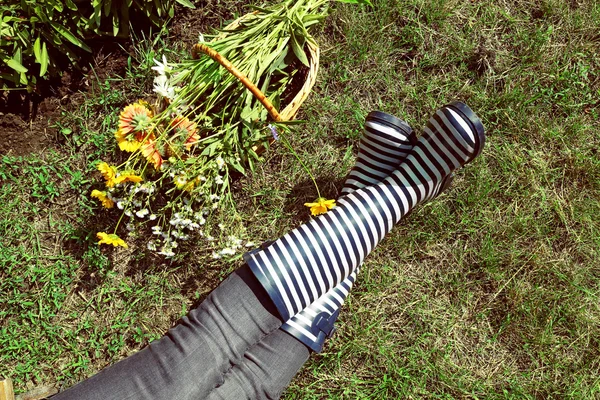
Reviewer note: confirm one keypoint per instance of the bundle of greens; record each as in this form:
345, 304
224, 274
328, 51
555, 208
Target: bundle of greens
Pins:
206, 124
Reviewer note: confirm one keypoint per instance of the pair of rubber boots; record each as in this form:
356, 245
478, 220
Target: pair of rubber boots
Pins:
309, 272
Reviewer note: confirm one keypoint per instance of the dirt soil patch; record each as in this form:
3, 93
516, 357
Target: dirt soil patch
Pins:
19, 136
28, 120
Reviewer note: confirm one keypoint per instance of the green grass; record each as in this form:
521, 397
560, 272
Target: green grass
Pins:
490, 291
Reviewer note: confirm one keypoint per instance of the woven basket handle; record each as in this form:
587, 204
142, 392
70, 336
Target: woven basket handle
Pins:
203, 48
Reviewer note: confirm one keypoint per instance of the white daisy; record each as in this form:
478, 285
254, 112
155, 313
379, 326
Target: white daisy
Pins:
163, 88
162, 68
227, 252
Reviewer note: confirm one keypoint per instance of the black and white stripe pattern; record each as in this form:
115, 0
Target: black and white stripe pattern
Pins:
386, 141
313, 325
306, 263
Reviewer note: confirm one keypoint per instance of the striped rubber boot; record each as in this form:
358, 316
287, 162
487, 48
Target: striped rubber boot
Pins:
306, 263
385, 143
313, 325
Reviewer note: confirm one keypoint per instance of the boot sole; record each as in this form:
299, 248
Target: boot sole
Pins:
474, 123
394, 123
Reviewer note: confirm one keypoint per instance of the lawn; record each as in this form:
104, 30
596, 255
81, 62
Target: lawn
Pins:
490, 291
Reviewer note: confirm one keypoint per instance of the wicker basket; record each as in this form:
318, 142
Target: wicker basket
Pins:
290, 110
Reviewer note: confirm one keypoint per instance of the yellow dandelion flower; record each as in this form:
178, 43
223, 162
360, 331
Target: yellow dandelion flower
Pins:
320, 206
127, 143
104, 199
106, 238
128, 177
108, 173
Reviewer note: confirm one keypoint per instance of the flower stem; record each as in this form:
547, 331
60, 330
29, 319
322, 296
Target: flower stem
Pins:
289, 146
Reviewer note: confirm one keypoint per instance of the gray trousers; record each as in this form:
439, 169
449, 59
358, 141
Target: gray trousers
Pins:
230, 347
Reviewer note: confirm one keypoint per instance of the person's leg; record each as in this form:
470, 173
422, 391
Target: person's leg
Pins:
268, 367
265, 371
190, 360
385, 143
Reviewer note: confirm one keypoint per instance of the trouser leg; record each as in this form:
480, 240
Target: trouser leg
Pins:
265, 370
189, 361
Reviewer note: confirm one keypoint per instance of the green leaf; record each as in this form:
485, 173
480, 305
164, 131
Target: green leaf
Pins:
23, 78
69, 36
260, 9
236, 165
298, 51
37, 50
58, 6
211, 149
7, 77
71, 5
45, 60
279, 63
251, 164
186, 3
115, 23
253, 154
367, 2
158, 8
97, 14
14, 64
107, 7
292, 122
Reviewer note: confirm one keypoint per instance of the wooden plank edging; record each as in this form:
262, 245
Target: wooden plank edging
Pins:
6, 390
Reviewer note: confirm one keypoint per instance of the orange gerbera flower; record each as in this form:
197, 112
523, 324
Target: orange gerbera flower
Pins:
151, 153
186, 128
111, 238
320, 206
135, 121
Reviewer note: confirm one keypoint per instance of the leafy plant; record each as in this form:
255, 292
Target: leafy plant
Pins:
36, 35
37, 32
205, 126
112, 17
